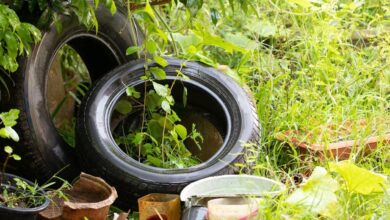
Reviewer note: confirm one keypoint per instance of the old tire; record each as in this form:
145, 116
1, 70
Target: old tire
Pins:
207, 88
43, 151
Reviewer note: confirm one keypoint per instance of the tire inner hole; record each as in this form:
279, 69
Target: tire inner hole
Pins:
74, 67
202, 110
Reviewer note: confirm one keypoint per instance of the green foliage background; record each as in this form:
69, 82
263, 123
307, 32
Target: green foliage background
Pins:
310, 64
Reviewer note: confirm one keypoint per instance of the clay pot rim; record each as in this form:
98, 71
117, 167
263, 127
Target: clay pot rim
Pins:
94, 205
284, 136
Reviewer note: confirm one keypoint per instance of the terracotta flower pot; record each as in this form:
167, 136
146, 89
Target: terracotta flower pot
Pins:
89, 197
340, 149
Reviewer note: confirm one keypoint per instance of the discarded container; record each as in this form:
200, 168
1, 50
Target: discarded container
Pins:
232, 209
339, 149
90, 197
199, 192
21, 213
194, 213
157, 206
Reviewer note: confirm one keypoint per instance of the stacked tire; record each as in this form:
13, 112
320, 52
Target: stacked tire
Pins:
209, 89
43, 151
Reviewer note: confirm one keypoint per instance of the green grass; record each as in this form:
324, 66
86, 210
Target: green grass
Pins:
313, 66
309, 72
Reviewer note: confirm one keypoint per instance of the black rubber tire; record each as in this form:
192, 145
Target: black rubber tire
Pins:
102, 156
42, 149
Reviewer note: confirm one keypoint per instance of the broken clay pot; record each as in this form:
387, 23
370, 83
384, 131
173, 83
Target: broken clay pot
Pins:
341, 149
90, 197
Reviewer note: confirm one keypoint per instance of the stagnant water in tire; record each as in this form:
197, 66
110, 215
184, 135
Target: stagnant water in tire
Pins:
68, 81
206, 123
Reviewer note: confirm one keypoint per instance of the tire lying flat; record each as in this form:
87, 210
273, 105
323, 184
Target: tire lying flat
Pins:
42, 149
101, 156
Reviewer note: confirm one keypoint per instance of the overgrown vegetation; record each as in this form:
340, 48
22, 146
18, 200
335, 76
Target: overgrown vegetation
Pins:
159, 139
311, 64
22, 194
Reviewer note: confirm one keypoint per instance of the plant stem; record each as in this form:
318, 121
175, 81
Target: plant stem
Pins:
143, 122
169, 31
3, 169
162, 138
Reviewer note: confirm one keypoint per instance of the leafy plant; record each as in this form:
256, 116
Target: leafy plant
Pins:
315, 66
160, 140
31, 195
15, 38
323, 192
8, 119
25, 195
311, 65
7, 197
318, 193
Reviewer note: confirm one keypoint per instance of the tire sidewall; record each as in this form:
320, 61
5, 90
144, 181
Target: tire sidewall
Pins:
49, 152
97, 145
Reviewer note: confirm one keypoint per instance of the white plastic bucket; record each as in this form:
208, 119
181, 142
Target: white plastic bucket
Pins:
245, 186
232, 209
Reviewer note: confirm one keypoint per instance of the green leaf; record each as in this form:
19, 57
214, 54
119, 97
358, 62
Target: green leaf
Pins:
155, 129
12, 44
147, 149
124, 107
163, 122
3, 133
160, 61
155, 161
241, 40
36, 33
12, 133
3, 21
181, 130
149, 10
21, 184
317, 194
217, 41
138, 138
166, 106
9, 118
8, 149
158, 73
152, 101
16, 157
13, 18
359, 180
160, 89
130, 91
262, 28
113, 8
151, 46
132, 50
187, 41
170, 100
174, 135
